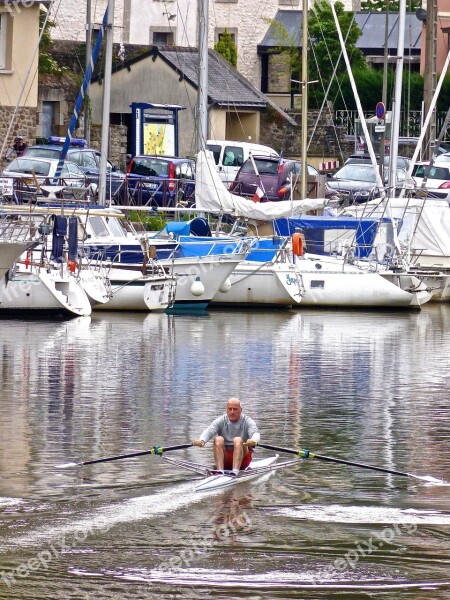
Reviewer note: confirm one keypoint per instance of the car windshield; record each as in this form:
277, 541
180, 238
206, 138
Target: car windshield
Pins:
215, 149
28, 166
264, 166
43, 152
431, 172
149, 167
357, 173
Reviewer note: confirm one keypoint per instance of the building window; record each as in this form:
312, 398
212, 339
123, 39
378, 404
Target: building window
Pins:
4, 43
291, 3
218, 32
162, 36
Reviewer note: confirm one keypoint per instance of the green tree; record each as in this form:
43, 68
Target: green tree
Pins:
227, 48
325, 49
47, 64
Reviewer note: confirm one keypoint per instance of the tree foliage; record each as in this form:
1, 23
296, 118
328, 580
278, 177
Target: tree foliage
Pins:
324, 45
47, 64
227, 48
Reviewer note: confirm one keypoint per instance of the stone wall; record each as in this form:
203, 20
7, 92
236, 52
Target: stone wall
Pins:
117, 146
24, 124
327, 141
70, 19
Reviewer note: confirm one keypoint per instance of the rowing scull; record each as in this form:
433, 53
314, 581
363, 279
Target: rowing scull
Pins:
221, 479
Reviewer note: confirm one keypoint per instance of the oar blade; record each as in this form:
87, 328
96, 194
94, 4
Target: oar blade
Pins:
341, 461
430, 479
157, 450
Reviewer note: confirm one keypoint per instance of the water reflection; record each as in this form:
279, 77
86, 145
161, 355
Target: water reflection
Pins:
370, 387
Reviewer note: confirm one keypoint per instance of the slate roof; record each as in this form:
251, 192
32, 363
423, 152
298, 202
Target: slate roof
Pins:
371, 24
226, 87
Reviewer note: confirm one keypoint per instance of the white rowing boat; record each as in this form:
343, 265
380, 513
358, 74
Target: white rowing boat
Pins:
215, 480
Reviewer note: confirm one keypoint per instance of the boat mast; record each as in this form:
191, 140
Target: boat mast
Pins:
106, 103
395, 122
304, 145
87, 124
202, 99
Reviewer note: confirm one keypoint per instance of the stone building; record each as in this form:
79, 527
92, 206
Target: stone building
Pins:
18, 70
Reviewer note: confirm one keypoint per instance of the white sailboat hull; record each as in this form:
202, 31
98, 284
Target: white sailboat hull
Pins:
332, 283
275, 284
43, 289
10, 252
133, 291
96, 285
211, 271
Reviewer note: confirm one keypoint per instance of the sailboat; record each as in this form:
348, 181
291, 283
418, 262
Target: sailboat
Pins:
15, 239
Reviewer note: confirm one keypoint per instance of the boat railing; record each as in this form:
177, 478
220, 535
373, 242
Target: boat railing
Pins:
145, 262
17, 227
191, 246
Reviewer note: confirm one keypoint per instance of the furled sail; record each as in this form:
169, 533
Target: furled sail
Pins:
212, 196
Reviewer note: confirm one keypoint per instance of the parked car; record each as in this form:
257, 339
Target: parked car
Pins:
402, 161
29, 170
274, 177
407, 146
443, 158
357, 183
88, 159
229, 156
437, 184
161, 180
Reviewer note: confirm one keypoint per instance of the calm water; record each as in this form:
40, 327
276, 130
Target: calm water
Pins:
368, 387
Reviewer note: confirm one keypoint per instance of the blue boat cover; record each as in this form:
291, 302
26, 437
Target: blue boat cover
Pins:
314, 230
177, 228
201, 246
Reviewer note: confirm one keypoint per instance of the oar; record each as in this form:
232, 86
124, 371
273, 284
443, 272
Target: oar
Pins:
155, 450
307, 454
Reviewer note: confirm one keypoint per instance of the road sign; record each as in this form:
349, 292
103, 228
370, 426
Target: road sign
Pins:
380, 110
380, 128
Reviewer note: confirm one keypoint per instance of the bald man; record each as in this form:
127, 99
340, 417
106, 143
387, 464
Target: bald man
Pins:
229, 432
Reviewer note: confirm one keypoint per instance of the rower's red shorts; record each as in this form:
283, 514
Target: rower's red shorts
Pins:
228, 459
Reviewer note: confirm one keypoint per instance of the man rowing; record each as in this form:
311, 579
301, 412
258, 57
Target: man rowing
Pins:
229, 432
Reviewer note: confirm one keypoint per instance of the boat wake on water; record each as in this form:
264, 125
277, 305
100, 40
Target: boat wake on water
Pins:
104, 518
371, 515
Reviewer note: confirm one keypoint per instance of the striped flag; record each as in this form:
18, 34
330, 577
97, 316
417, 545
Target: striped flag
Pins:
258, 195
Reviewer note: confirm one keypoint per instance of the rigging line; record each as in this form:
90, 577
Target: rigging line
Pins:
179, 63
191, 105
16, 108
232, 105
332, 77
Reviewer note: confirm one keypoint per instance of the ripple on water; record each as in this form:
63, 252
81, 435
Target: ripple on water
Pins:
363, 514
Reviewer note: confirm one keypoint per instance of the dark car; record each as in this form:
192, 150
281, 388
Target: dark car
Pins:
161, 180
357, 183
272, 178
402, 161
88, 159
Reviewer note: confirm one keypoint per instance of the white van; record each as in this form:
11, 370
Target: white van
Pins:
230, 156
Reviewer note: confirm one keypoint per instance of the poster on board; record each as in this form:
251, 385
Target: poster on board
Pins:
159, 139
